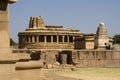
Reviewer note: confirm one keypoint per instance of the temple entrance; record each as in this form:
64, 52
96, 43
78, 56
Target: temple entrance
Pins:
65, 57
35, 55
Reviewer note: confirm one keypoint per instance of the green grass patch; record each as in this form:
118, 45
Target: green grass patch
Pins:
91, 73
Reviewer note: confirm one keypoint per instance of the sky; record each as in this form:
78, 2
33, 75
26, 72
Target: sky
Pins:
84, 15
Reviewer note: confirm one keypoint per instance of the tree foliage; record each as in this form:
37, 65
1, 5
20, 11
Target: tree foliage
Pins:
116, 38
12, 42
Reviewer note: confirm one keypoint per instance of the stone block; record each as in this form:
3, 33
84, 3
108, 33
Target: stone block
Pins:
107, 55
91, 55
116, 55
83, 55
109, 63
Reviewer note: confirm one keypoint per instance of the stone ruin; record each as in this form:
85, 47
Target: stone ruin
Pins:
25, 64
84, 50
101, 38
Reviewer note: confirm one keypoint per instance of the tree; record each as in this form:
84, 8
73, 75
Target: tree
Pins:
116, 38
12, 43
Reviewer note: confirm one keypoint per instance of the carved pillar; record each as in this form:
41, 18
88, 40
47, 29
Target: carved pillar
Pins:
63, 39
45, 39
57, 39
33, 39
51, 39
68, 39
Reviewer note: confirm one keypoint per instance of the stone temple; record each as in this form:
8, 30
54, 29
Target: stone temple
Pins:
52, 43
42, 45
41, 36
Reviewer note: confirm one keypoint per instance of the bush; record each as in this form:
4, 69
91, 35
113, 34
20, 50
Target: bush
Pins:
116, 38
12, 43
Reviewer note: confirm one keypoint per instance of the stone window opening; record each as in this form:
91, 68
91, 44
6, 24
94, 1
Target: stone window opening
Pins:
54, 38
41, 38
70, 39
3, 5
35, 37
65, 39
48, 38
60, 38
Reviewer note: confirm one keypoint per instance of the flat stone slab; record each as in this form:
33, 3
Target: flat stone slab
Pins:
8, 57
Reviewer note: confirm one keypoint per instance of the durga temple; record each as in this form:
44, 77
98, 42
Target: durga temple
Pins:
41, 36
53, 43
41, 46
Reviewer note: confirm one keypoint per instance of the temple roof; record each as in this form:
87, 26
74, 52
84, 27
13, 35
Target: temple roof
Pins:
101, 29
37, 25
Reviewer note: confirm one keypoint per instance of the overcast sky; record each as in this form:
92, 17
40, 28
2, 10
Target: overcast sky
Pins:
84, 15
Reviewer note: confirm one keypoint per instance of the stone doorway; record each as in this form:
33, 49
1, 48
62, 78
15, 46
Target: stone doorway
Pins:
65, 57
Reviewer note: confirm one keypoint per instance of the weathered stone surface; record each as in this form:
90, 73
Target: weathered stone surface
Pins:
101, 37
97, 58
7, 59
116, 55
4, 24
41, 36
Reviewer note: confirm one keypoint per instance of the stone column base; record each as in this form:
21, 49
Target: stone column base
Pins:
7, 66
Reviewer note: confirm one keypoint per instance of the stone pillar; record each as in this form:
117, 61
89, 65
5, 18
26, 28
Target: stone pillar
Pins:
45, 37
57, 39
68, 39
63, 39
33, 38
7, 59
51, 39
4, 24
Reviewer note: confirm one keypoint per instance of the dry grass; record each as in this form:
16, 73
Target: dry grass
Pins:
90, 73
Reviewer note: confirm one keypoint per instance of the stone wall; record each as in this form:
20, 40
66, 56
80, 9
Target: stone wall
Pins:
96, 58
82, 58
48, 46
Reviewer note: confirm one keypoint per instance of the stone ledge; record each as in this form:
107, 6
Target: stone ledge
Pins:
8, 57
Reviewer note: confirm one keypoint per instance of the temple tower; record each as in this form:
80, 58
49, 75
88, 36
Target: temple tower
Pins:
36, 22
101, 37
